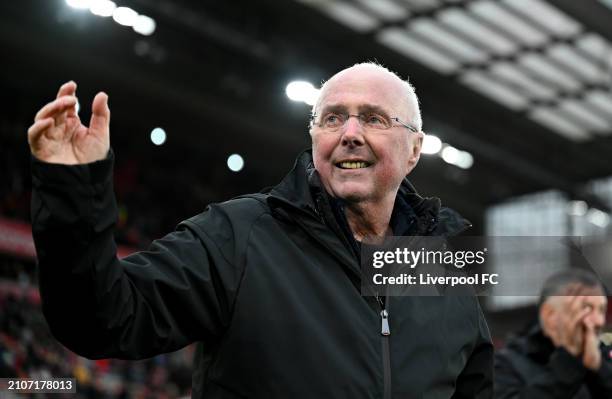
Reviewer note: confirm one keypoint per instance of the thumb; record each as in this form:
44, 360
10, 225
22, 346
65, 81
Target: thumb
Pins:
100, 113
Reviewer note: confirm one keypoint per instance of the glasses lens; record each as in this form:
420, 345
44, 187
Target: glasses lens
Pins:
333, 121
374, 121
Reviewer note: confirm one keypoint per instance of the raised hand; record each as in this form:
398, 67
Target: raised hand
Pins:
58, 136
569, 328
591, 355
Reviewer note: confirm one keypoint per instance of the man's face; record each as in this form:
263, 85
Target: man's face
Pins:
598, 305
591, 299
389, 154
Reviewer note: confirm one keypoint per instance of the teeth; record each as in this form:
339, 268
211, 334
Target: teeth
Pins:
353, 165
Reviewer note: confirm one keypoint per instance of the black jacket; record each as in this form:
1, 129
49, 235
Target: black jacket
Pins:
267, 284
530, 367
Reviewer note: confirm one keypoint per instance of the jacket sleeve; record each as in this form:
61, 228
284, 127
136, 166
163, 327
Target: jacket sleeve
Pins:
178, 291
600, 383
561, 378
476, 378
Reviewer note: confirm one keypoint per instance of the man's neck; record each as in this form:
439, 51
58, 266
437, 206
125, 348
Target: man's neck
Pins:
370, 219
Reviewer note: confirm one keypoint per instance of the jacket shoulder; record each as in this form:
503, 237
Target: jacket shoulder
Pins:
239, 211
512, 359
451, 223
227, 225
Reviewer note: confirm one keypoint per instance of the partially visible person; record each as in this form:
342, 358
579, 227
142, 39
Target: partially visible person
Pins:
562, 356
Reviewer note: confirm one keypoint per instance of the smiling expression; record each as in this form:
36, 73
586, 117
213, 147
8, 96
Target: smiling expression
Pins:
354, 163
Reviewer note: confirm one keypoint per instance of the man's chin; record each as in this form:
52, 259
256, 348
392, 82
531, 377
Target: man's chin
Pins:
352, 195
349, 190
353, 198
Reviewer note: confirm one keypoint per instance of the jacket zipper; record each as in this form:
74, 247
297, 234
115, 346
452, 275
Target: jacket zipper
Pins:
385, 328
385, 332
385, 322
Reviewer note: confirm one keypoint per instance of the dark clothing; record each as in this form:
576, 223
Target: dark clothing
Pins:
269, 286
530, 367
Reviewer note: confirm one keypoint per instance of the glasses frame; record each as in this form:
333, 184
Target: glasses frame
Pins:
358, 116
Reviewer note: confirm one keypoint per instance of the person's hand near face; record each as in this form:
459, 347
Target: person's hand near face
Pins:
574, 322
591, 355
567, 328
593, 323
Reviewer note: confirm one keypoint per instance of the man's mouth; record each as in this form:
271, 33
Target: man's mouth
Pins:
352, 164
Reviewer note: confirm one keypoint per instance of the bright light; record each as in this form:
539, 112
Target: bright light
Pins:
235, 163
598, 217
465, 160
431, 144
578, 208
158, 136
102, 8
461, 159
79, 4
125, 16
450, 154
77, 106
311, 97
144, 25
122, 15
302, 91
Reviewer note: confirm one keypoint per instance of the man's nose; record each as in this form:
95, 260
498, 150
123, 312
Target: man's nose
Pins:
352, 131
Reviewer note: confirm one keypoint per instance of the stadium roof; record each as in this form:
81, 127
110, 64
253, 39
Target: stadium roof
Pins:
525, 86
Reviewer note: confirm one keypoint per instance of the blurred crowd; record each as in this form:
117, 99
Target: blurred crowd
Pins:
27, 349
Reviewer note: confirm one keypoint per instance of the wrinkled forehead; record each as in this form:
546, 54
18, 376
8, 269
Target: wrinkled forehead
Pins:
358, 89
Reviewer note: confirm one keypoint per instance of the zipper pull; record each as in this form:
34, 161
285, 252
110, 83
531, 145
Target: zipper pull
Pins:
385, 322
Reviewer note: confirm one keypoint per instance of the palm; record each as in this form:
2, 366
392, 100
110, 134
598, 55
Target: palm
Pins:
70, 142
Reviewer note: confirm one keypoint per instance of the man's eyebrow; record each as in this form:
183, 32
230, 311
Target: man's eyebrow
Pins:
364, 108
371, 108
334, 108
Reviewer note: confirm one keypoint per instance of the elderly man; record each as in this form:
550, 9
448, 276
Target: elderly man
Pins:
561, 357
267, 284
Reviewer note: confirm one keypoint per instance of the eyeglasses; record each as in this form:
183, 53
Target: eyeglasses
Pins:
334, 121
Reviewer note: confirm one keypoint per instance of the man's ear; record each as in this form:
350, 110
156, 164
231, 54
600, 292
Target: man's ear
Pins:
416, 143
547, 313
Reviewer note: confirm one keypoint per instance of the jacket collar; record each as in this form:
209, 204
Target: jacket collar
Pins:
537, 345
294, 189
300, 188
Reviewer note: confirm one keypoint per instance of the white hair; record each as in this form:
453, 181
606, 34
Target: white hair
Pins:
413, 100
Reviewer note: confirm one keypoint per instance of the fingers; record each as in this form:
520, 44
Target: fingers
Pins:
571, 330
577, 318
591, 357
577, 310
589, 327
100, 113
55, 107
575, 304
38, 127
67, 89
